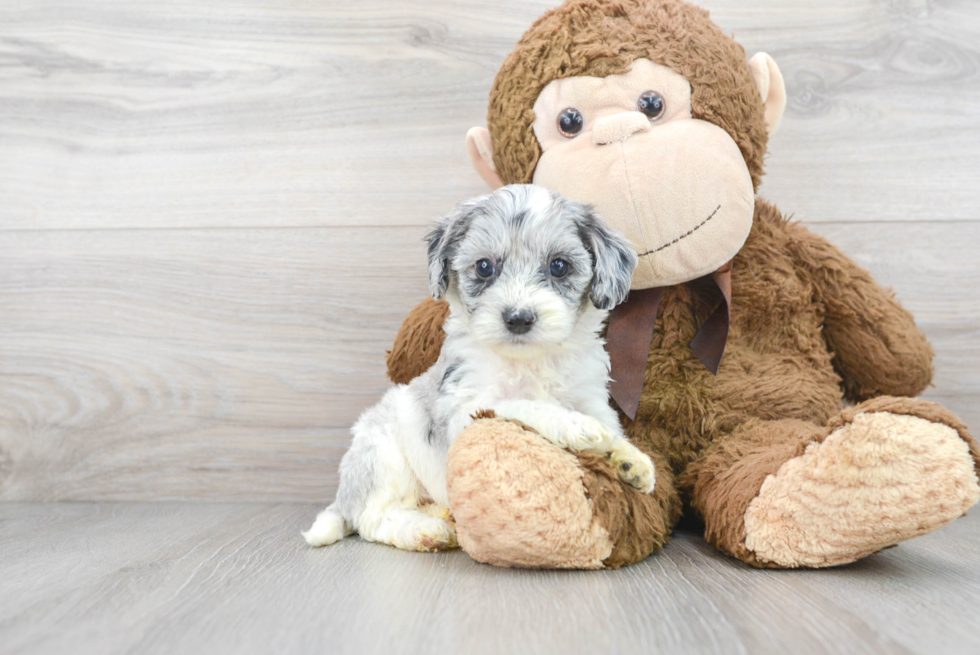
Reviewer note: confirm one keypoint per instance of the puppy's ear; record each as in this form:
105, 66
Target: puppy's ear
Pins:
443, 240
613, 258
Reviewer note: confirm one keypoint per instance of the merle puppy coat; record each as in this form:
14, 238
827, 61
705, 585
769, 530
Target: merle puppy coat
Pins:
530, 277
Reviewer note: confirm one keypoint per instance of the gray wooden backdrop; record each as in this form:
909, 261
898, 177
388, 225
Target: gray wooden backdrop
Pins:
211, 213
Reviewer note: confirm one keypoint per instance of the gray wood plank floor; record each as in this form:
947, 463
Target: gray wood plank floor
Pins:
237, 578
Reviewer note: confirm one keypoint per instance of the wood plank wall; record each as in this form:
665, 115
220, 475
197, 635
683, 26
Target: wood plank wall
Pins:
211, 213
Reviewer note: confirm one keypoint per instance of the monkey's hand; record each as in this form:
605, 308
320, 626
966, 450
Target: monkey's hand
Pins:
878, 350
418, 342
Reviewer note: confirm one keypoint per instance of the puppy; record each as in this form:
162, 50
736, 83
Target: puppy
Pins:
530, 277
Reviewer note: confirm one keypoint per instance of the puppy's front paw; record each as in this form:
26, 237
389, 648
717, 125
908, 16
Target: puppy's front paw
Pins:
634, 467
582, 432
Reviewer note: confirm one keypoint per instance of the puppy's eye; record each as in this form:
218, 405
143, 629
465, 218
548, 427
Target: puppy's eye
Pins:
570, 122
485, 268
558, 268
651, 104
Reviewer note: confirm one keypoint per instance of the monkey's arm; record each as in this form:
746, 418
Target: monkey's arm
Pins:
877, 348
418, 342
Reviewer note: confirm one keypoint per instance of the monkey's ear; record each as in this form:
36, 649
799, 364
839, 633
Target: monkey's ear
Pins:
480, 150
769, 81
613, 256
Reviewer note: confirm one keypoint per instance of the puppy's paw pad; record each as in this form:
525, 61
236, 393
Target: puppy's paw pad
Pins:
634, 468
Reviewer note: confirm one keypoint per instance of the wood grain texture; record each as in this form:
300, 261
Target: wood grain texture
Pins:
237, 578
222, 364
115, 113
229, 364
210, 213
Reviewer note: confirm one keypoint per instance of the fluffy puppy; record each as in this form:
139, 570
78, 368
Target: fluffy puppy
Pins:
530, 277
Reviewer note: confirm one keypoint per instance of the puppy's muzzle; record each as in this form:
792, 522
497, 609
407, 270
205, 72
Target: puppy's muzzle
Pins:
519, 321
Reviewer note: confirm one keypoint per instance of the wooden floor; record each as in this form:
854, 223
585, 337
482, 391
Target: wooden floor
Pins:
171, 578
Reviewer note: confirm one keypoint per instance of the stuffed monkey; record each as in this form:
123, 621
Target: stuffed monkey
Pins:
742, 336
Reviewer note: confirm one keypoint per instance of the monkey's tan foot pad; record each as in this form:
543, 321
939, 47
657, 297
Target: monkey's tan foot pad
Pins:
873, 482
520, 501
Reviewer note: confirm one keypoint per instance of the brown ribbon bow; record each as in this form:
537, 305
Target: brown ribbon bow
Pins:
630, 331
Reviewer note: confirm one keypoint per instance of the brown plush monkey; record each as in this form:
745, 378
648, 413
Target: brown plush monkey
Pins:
645, 109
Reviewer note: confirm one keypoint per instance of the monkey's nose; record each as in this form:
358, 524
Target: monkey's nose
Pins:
519, 321
619, 127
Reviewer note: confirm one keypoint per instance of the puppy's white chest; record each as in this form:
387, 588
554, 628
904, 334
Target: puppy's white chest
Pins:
537, 381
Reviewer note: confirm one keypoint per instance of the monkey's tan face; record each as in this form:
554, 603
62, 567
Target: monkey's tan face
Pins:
677, 186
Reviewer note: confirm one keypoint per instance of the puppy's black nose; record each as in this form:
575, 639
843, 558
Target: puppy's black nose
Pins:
519, 321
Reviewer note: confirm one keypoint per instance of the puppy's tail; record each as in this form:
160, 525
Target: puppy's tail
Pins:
328, 528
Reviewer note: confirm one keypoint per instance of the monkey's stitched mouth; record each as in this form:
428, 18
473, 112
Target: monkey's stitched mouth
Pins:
683, 236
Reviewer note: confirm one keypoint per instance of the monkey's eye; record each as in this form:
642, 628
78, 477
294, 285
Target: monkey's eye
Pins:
485, 268
651, 104
558, 268
570, 122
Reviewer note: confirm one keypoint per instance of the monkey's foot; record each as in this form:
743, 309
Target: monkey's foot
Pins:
877, 480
